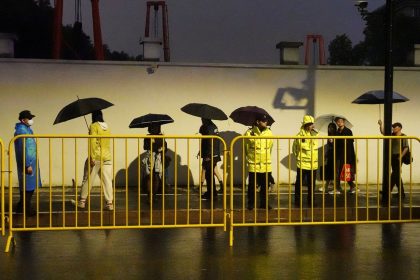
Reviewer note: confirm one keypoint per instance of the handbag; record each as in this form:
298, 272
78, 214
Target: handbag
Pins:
345, 174
407, 158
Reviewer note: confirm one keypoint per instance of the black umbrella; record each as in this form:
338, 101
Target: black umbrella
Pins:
249, 114
150, 119
378, 97
204, 111
81, 107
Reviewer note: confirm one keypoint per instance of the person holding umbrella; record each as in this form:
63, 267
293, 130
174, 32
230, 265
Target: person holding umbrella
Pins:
100, 161
258, 157
26, 160
399, 148
153, 161
306, 153
210, 154
344, 156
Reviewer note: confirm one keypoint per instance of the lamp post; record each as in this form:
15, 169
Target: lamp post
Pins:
388, 89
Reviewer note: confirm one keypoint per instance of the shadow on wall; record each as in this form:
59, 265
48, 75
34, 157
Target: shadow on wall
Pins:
290, 98
133, 172
228, 136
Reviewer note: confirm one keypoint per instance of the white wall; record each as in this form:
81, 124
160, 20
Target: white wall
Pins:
286, 92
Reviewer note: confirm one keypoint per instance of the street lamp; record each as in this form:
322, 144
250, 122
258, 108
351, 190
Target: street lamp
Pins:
388, 89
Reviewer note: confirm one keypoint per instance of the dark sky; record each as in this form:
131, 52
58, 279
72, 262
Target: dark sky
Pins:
225, 31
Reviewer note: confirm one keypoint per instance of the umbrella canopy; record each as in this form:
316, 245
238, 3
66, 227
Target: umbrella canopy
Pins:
248, 115
321, 122
81, 107
149, 120
378, 97
204, 111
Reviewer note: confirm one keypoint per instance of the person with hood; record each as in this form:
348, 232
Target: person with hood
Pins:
258, 158
210, 154
26, 159
100, 162
306, 153
344, 155
155, 149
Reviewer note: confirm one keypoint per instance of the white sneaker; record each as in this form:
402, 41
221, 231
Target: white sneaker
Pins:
109, 206
353, 190
80, 204
321, 189
334, 192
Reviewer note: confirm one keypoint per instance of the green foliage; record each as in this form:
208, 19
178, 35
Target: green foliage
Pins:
340, 51
371, 51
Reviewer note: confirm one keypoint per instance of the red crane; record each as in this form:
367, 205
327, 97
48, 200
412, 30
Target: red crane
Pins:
57, 33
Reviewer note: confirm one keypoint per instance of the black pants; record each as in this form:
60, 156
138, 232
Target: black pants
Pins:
209, 174
261, 179
308, 178
395, 174
28, 198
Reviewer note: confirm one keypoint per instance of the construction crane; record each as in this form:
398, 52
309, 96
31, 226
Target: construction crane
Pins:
58, 22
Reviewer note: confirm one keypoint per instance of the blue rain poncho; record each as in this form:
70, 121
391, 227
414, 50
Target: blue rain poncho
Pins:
30, 158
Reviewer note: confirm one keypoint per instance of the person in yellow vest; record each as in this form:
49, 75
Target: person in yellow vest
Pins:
306, 153
258, 157
100, 162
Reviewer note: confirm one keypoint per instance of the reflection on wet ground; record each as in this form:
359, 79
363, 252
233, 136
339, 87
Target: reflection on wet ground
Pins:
387, 251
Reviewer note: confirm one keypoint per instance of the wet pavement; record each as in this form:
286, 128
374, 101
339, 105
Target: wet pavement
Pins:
374, 251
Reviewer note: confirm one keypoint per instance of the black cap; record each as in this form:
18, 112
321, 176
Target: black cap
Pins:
397, 124
25, 114
262, 117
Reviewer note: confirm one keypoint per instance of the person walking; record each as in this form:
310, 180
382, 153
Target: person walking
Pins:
210, 154
399, 147
258, 157
153, 161
100, 162
344, 155
306, 153
29, 176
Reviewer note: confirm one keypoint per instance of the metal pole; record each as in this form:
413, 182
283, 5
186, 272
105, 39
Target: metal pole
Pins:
388, 90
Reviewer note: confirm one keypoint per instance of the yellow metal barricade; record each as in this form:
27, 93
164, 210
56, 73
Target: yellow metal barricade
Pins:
175, 202
2, 195
357, 202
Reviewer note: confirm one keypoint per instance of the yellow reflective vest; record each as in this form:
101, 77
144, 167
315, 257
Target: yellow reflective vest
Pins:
306, 150
258, 150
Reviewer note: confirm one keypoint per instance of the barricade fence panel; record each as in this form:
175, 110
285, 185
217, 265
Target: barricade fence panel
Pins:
2, 197
345, 177
165, 181
146, 181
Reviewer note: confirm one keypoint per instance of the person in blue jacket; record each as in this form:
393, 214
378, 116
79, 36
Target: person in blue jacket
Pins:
28, 173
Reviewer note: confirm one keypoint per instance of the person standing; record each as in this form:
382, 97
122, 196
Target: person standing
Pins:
258, 157
399, 147
328, 169
210, 154
100, 161
306, 153
153, 161
29, 176
344, 155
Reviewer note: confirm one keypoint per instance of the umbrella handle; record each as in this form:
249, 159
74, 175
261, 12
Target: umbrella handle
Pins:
86, 122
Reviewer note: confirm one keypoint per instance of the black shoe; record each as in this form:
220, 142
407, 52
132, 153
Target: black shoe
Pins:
263, 206
207, 196
250, 206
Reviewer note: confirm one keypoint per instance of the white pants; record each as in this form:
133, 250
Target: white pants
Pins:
105, 174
